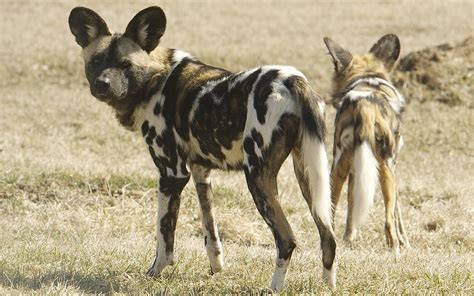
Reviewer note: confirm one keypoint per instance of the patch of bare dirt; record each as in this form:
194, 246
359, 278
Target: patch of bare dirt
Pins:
444, 73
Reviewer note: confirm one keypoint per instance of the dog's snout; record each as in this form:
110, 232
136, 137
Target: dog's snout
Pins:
102, 84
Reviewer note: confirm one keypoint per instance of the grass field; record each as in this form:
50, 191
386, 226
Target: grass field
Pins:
77, 192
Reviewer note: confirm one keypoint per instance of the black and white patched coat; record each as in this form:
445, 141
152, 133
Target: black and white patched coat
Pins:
202, 114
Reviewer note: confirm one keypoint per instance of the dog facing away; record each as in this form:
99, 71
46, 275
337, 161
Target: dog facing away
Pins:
367, 137
198, 117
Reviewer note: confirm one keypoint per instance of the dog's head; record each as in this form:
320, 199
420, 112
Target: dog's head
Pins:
117, 65
379, 62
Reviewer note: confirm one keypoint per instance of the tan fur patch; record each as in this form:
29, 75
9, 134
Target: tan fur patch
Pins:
366, 64
96, 46
131, 51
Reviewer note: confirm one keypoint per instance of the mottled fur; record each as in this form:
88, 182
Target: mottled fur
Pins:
199, 117
367, 138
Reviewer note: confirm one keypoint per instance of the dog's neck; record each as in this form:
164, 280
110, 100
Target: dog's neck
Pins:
368, 84
183, 72
128, 111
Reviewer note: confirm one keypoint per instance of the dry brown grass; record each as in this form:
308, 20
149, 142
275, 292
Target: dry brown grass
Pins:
77, 205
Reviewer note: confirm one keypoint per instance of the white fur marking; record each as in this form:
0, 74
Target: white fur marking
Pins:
162, 258
315, 159
143, 33
278, 280
179, 55
338, 156
365, 182
355, 95
91, 31
329, 276
376, 81
141, 114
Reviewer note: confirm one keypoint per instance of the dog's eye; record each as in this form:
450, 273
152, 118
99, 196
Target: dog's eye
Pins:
125, 64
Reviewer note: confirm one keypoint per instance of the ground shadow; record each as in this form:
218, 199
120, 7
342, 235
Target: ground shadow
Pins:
85, 283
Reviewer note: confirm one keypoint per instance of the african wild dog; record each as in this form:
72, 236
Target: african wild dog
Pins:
200, 117
367, 139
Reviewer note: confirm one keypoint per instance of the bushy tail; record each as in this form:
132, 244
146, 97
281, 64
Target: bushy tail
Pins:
313, 151
365, 163
365, 182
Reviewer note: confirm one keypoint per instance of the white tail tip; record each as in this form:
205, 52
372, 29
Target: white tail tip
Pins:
365, 182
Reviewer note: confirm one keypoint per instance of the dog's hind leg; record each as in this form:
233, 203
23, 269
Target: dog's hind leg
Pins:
261, 168
350, 232
202, 181
340, 170
326, 233
387, 182
401, 232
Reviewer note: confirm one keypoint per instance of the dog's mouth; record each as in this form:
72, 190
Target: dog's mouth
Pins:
102, 97
106, 97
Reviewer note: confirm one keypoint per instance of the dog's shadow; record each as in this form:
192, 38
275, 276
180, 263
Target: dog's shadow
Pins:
84, 283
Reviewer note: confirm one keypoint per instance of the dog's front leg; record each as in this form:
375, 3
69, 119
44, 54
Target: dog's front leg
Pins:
169, 191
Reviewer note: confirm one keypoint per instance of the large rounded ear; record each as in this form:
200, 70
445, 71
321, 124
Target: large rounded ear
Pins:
86, 25
147, 27
387, 49
340, 57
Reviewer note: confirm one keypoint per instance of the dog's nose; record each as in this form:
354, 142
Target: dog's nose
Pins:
102, 84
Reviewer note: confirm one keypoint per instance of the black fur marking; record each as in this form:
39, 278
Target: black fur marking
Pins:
257, 137
312, 118
170, 92
159, 141
186, 103
151, 135
157, 109
170, 185
204, 162
254, 162
313, 122
204, 194
159, 163
145, 128
285, 248
263, 89
153, 20
81, 19
328, 245
167, 139
168, 222
220, 117
183, 157
282, 142
113, 56
357, 126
